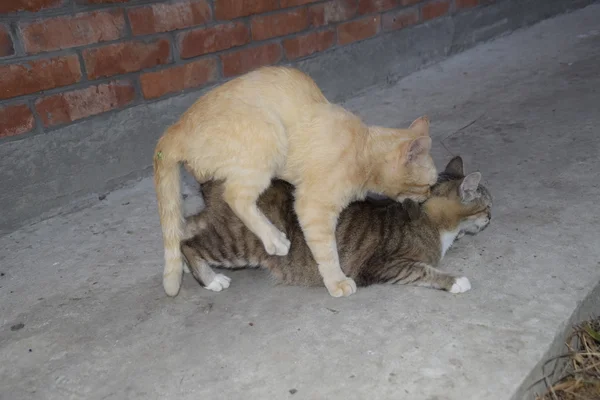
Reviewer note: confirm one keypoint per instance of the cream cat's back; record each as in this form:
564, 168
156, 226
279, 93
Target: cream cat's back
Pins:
276, 93
232, 117
325, 136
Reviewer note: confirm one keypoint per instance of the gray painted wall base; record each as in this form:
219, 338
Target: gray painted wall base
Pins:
70, 167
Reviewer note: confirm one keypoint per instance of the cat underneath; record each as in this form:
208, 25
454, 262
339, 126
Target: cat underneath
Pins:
380, 241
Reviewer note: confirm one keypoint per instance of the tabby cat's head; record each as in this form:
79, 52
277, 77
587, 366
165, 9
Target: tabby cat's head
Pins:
465, 203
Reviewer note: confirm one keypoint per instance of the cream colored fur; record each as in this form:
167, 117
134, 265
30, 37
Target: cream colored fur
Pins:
275, 122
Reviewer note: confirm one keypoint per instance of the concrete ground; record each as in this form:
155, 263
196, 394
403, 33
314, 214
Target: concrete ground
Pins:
84, 316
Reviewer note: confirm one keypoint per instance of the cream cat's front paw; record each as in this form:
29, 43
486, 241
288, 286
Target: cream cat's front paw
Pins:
219, 283
345, 287
277, 244
461, 285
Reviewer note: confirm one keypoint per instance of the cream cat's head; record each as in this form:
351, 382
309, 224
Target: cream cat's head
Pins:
407, 170
465, 203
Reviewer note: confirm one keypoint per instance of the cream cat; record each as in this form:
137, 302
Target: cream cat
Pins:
275, 122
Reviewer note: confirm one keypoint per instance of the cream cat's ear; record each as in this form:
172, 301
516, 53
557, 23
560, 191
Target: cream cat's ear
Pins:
455, 166
421, 125
417, 148
468, 187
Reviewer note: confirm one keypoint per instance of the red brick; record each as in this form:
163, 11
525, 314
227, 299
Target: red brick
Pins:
164, 17
302, 46
435, 9
466, 3
101, 1
15, 120
294, 3
372, 6
409, 2
279, 24
332, 11
120, 58
359, 29
9, 6
399, 19
229, 9
175, 79
71, 31
6, 44
245, 60
70, 106
216, 38
33, 76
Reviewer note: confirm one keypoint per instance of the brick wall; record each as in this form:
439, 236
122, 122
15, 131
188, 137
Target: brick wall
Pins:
65, 60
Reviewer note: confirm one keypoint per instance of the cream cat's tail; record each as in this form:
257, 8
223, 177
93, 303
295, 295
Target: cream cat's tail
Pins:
168, 194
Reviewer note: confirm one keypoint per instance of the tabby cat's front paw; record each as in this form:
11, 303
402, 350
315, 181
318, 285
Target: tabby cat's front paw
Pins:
460, 285
345, 287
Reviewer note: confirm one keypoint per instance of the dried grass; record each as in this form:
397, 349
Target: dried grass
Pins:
580, 375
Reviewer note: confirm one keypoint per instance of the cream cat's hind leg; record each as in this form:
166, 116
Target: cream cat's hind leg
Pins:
241, 196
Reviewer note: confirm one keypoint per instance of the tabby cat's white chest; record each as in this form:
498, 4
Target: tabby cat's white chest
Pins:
446, 239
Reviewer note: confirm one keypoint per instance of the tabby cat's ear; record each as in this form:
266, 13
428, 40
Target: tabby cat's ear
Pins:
417, 148
468, 187
455, 166
420, 125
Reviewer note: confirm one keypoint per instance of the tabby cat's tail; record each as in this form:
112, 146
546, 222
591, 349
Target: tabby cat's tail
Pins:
168, 193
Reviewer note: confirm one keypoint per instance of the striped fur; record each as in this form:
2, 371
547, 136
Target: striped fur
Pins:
379, 241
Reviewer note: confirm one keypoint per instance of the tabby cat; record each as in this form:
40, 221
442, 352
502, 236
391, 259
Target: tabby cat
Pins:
276, 122
379, 240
